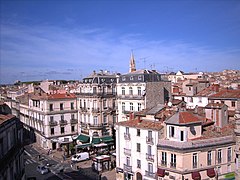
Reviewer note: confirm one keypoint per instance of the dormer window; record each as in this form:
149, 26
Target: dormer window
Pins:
139, 77
131, 78
123, 78
171, 131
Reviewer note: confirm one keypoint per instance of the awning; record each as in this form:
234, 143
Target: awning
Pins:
83, 138
107, 139
196, 175
82, 146
161, 172
96, 140
211, 173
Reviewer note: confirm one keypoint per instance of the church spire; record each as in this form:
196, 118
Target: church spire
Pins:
132, 65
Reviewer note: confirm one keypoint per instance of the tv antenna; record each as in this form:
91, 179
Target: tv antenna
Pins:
144, 60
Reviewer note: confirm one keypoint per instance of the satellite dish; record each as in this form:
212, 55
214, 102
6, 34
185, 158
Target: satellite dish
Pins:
169, 104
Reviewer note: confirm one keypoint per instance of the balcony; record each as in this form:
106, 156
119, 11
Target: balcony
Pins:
63, 122
150, 174
149, 140
195, 165
53, 123
95, 110
73, 121
83, 125
127, 168
131, 97
163, 163
95, 126
150, 157
127, 136
83, 109
172, 164
127, 152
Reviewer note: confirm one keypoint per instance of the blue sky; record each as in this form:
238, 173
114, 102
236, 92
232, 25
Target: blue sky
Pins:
68, 39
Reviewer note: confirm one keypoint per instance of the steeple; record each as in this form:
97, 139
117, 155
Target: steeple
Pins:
132, 65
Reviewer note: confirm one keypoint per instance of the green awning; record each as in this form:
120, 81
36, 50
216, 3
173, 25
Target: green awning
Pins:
96, 140
83, 138
107, 139
82, 146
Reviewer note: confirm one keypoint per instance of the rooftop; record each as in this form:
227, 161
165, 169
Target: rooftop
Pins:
227, 93
142, 124
184, 117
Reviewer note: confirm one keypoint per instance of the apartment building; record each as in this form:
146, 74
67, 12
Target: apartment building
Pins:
191, 93
196, 148
53, 117
136, 147
96, 99
11, 146
229, 97
140, 89
180, 76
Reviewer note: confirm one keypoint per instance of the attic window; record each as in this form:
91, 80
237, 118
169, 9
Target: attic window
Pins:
131, 78
139, 77
123, 78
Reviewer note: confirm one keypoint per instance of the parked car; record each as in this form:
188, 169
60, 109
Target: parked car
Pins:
80, 157
42, 169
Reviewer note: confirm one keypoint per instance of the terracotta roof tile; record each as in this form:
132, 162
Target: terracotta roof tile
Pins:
142, 124
227, 94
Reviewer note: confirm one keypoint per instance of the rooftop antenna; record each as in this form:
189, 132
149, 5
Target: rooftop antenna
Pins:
144, 61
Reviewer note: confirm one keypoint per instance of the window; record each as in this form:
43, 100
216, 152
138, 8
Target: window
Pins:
51, 107
94, 90
95, 120
127, 130
51, 119
138, 147
139, 91
128, 161
229, 154
150, 167
105, 120
219, 156
139, 106
72, 105
62, 117
194, 160
181, 135
164, 158
138, 132
139, 77
123, 106
131, 106
149, 134
123, 78
52, 131
149, 150
114, 119
138, 163
222, 102
72, 116
130, 91
123, 90
62, 130
171, 131
80, 103
61, 106
173, 160
104, 103
131, 78
233, 103
73, 128
209, 158
189, 88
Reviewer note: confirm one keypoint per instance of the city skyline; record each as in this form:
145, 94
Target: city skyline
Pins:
69, 39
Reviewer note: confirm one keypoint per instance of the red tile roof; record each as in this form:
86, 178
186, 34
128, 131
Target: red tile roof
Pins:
187, 117
143, 124
227, 94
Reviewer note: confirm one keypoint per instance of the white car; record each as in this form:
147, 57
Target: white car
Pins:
42, 169
80, 157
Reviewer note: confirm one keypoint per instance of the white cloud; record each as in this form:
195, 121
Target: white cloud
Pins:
48, 48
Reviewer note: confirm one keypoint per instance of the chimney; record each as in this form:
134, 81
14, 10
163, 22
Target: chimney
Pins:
216, 87
139, 119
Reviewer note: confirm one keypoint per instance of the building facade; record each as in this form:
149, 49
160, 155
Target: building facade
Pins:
11, 147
